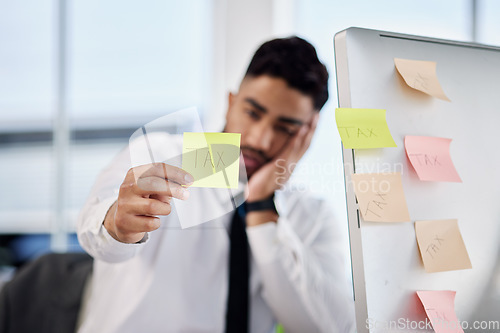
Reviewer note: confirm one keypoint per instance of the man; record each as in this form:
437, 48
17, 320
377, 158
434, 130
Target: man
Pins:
151, 278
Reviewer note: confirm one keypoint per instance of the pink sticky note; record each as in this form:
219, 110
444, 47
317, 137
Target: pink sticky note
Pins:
430, 157
439, 306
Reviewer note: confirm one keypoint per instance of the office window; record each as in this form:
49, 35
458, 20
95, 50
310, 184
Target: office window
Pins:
136, 58
488, 24
27, 63
126, 63
27, 100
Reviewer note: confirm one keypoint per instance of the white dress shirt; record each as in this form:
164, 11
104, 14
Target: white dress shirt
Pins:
176, 280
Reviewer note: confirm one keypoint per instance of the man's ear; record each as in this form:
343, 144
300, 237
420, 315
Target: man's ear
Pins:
230, 100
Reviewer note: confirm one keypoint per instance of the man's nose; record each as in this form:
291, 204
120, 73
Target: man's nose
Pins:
260, 136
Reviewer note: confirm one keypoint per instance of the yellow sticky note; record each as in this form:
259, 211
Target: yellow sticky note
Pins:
441, 245
363, 128
421, 75
212, 158
381, 197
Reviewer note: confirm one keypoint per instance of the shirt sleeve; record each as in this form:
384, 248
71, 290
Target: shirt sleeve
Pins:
91, 232
303, 274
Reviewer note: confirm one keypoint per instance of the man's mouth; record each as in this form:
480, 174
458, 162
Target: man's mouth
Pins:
251, 163
252, 160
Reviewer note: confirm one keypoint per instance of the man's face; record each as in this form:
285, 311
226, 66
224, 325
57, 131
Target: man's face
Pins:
267, 113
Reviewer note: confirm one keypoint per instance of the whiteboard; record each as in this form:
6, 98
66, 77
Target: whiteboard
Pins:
387, 269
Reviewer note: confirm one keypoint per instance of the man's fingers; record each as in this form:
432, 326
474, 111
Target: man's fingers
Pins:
138, 224
301, 141
294, 144
156, 185
169, 172
136, 215
162, 198
146, 193
153, 207
164, 171
144, 206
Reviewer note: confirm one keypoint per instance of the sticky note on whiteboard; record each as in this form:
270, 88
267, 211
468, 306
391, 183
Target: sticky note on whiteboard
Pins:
422, 76
363, 128
381, 197
439, 306
212, 158
430, 157
441, 245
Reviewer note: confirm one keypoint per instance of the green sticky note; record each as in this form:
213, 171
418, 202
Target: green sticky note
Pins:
212, 158
363, 128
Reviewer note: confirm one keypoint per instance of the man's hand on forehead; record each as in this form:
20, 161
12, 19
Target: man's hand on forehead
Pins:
275, 173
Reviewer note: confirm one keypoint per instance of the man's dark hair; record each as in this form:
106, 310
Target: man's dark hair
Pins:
294, 60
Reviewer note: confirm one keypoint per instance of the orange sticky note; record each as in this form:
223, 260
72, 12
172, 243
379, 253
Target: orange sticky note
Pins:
441, 245
381, 197
430, 157
421, 75
439, 306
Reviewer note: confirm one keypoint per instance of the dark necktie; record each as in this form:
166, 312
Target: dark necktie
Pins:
239, 272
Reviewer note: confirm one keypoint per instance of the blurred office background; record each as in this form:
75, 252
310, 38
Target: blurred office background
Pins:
77, 77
